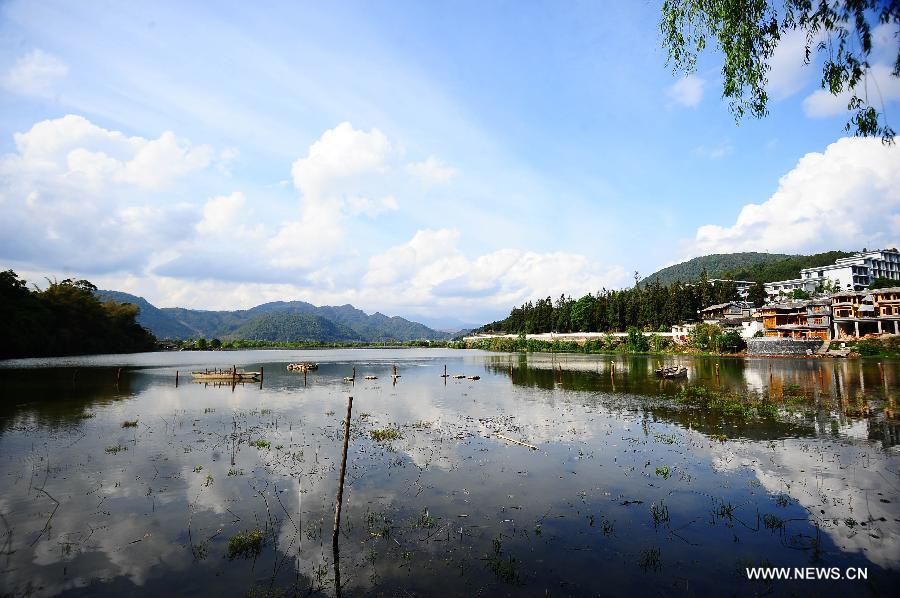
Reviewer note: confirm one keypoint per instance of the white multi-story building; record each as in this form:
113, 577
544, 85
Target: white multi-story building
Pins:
852, 273
742, 286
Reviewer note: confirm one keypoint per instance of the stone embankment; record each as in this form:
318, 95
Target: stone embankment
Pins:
781, 346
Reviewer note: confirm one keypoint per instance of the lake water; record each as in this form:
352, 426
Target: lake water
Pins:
627, 491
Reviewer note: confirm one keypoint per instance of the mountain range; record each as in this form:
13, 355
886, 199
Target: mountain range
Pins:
282, 321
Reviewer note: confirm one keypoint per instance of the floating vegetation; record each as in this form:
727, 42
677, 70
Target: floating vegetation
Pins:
245, 545
130, 423
208, 480
714, 400
663, 472
386, 434
235, 472
377, 525
198, 468
115, 449
261, 444
783, 500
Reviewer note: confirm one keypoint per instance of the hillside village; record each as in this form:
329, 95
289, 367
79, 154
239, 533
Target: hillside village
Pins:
798, 316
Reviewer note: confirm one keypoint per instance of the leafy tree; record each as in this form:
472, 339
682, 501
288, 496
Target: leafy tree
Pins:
731, 342
637, 342
884, 283
757, 294
201, 344
215, 344
706, 337
799, 294
748, 31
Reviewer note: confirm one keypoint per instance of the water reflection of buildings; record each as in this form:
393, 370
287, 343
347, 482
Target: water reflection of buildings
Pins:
854, 398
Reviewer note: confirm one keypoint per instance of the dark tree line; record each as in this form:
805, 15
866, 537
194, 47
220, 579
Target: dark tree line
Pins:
648, 306
66, 318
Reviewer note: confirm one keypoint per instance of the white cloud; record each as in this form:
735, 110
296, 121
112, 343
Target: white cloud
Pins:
789, 72
430, 270
846, 197
34, 74
879, 86
687, 91
431, 171
78, 196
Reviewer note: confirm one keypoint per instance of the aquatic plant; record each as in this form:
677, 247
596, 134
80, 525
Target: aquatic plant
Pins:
245, 545
649, 559
425, 520
115, 449
773, 522
663, 471
198, 468
387, 434
235, 472
130, 423
261, 444
659, 513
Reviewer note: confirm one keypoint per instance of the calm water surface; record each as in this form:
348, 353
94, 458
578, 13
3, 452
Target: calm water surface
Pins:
628, 490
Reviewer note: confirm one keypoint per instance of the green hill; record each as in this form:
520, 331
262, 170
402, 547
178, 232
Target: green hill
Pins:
783, 269
293, 327
277, 320
717, 265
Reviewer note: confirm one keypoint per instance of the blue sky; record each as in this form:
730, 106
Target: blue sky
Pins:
437, 161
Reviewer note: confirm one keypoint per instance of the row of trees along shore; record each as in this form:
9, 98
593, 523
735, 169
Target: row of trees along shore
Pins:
66, 318
647, 306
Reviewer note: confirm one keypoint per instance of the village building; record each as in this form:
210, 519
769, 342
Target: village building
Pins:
732, 310
858, 313
797, 319
853, 273
742, 286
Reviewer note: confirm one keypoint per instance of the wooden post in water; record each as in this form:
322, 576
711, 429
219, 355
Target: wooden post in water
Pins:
612, 370
340, 492
262, 374
119, 375
176, 378
305, 370
233, 374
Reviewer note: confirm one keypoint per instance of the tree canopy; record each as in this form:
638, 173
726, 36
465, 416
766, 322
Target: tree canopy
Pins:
748, 31
66, 318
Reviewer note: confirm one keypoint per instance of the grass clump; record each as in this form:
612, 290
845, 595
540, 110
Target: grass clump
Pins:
235, 472
245, 545
386, 434
663, 472
714, 400
198, 468
115, 449
130, 423
425, 520
649, 559
261, 444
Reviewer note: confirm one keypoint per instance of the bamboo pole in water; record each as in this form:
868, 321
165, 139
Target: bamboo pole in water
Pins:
176, 378
340, 492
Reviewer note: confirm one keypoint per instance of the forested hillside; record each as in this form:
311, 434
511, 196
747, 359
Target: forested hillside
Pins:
715, 265
66, 318
651, 306
294, 327
784, 269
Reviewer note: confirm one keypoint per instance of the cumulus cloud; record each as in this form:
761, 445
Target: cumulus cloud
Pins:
879, 86
687, 91
431, 270
847, 197
76, 195
35, 74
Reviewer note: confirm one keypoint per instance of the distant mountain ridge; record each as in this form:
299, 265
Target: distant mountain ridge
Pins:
280, 321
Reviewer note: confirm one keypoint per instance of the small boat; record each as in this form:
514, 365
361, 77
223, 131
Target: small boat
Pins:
672, 372
303, 366
226, 375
